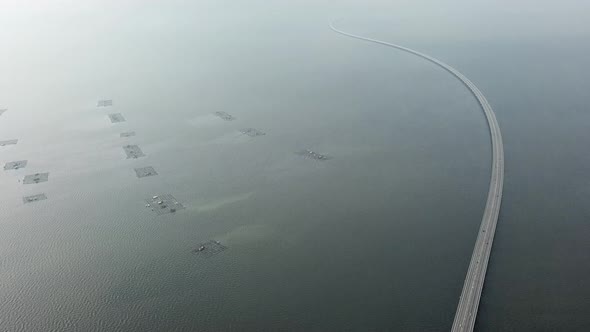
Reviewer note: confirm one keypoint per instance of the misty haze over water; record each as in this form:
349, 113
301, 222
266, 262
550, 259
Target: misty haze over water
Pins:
378, 237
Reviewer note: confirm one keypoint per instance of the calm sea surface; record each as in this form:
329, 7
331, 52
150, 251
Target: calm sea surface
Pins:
376, 238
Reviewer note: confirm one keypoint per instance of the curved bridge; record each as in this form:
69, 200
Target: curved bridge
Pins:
469, 300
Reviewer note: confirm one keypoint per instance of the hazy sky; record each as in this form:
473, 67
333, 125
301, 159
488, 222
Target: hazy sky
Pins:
485, 18
43, 39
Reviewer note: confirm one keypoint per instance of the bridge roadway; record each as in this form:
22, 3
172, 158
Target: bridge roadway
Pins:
472, 288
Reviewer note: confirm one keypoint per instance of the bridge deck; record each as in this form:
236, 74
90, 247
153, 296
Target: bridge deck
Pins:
472, 288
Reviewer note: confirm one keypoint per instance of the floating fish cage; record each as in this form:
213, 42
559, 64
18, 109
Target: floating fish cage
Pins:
36, 178
8, 142
15, 165
163, 204
309, 154
145, 171
128, 134
104, 103
225, 116
34, 198
252, 132
209, 248
133, 151
116, 118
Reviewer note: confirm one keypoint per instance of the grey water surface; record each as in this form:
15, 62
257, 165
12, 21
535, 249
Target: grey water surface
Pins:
377, 237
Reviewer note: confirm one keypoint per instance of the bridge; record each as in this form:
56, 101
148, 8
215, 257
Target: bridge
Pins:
472, 288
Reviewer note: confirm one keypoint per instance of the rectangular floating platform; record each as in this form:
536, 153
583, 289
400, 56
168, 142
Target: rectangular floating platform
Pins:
163, 204
209, 248
133, 151
128, 134
36, 178
225, 116
116, 117
308, 154
34, 198
15, 165
104, 103
145, 171
252, 132
8, 142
